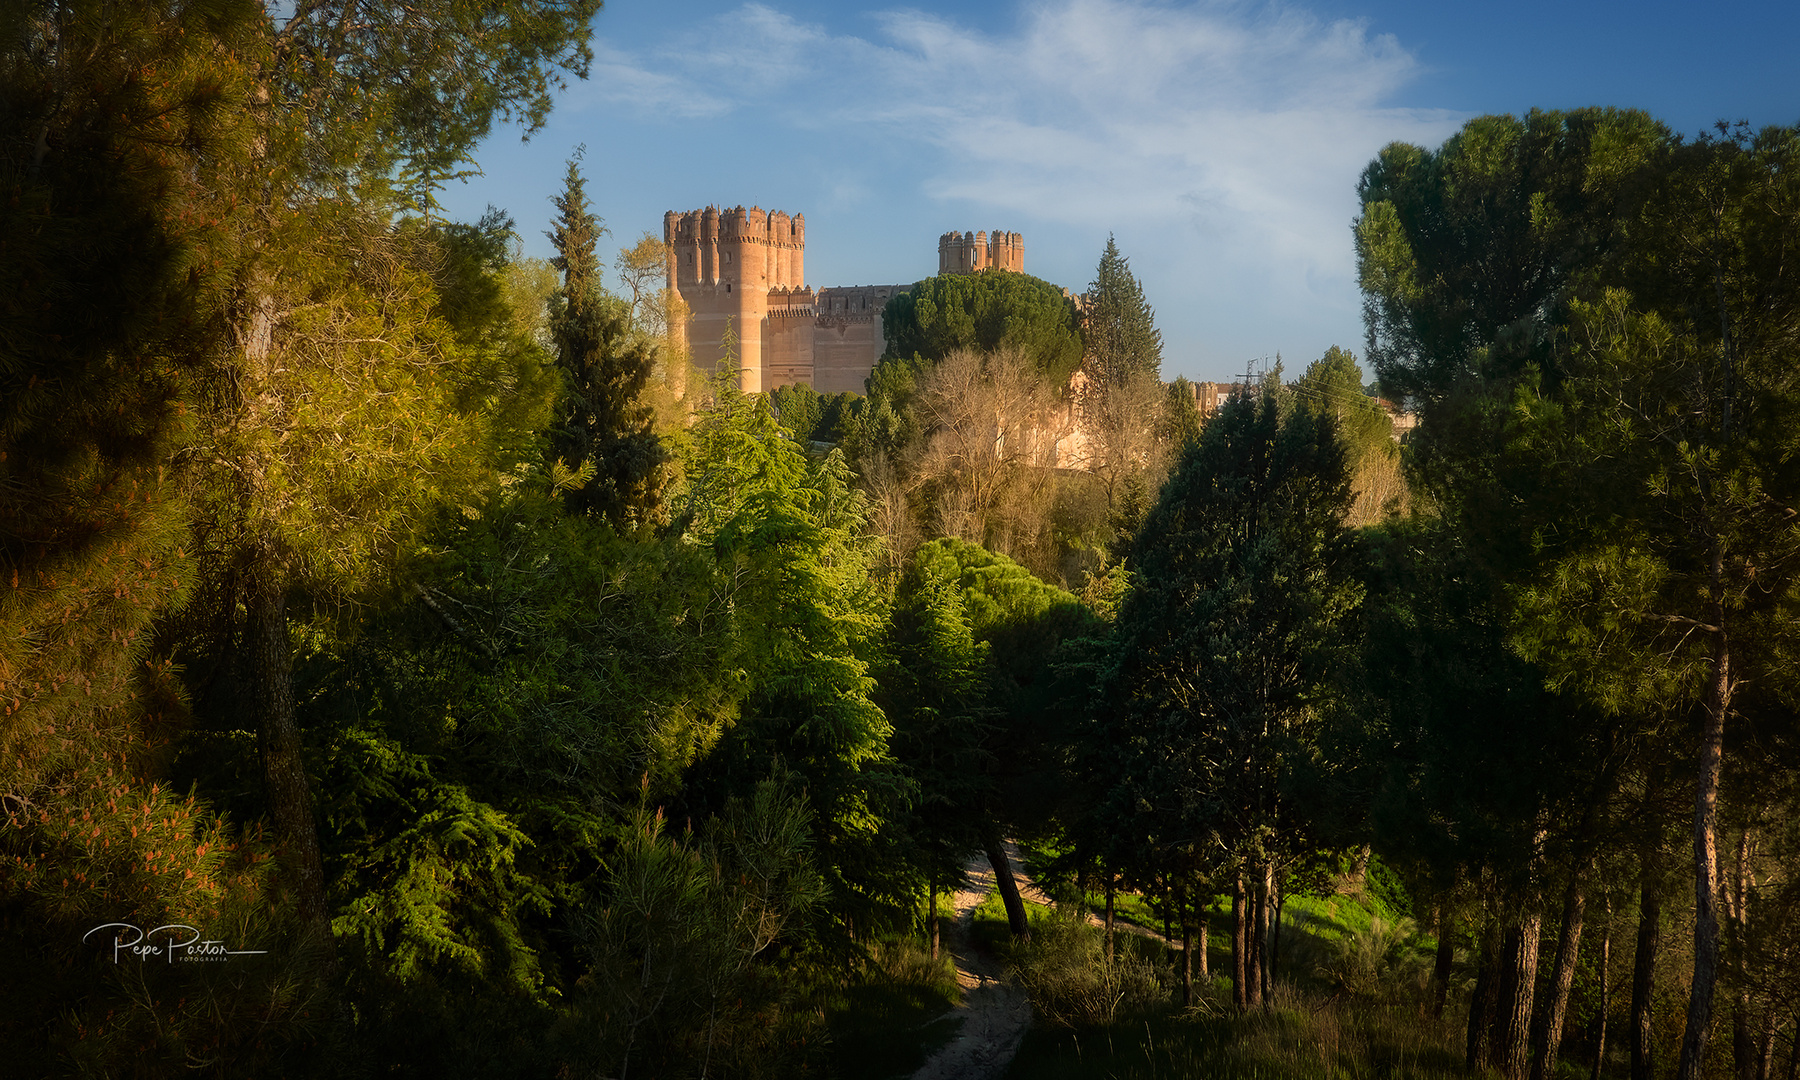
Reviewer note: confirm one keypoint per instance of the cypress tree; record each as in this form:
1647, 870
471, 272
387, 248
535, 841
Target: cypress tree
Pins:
604, 432
1118, 328
1119, 402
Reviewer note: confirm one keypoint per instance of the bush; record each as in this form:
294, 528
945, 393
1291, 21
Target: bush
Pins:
1064, 971
1384, 962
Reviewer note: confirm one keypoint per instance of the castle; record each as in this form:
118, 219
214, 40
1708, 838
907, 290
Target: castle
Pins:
744, 271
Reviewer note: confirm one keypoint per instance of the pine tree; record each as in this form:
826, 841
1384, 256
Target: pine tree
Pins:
124, 131
605, 430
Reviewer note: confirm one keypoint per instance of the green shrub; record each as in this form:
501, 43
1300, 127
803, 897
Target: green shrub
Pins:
1064, 971
1383, 962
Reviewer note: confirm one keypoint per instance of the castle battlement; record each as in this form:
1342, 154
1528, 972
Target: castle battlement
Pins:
744, 270
967, 253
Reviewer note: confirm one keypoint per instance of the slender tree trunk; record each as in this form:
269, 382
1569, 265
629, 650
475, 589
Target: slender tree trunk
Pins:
1518, 985
1275, 938
1547, 1027
1605, 987
1441, 970
1111, 891
1203, 906
1643, 970
931, 919
1009, 888
1271, 931
1706, 842
1239, 947
1485, 1001
284, 771
1187, 947
1255, 908
1168, 898
1743, 1038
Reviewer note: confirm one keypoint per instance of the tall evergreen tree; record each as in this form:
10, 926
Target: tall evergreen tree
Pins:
1227, 651
1118, 327
604, 429
1122, 392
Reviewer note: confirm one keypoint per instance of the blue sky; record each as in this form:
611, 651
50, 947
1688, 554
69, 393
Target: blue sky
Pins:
1219, 141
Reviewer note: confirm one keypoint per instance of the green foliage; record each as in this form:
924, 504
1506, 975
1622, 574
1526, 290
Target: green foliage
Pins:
602, 420
1180, 419
1118, 328
1467, 254
811, 416
674, 942
984, 311
1333, 383
1064, 971
404, 96
793, 558
124, 132
933, 684
896, 1011
1233, 643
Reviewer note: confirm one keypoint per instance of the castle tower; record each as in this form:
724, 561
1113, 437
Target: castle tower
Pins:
968, 253
724, 264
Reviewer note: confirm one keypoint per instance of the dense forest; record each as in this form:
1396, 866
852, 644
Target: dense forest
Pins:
408, 666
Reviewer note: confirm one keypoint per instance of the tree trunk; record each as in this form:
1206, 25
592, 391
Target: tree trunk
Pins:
1203, 905
1518, 985
1605, 988
1271, 932
1255, 905
1547, 1026
1643, 971
1706, 844
931, 919
1793, 1052
1111, 890
1187, 947
284, 771
1743, 1040
1485, 1001
1168, 898
1009, 889
1441, 970
1239, 944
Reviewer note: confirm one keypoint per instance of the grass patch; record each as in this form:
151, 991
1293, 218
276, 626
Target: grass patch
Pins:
890, 1018
1300, 1038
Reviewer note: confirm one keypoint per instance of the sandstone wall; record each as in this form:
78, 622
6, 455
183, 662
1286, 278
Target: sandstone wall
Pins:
746, 270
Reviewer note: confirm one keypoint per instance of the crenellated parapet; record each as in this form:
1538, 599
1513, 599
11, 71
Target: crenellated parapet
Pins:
968, 253
742, 273
746, 249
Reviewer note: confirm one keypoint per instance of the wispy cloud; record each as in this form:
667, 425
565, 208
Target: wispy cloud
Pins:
1223, 138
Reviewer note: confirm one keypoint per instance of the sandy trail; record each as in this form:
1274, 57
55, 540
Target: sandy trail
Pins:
995, 1014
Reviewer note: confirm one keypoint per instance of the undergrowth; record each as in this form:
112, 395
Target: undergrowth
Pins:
892, 1014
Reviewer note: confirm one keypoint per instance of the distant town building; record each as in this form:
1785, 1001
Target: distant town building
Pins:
1209, 397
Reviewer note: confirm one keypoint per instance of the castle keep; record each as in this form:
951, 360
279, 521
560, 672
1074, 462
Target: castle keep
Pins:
746, 270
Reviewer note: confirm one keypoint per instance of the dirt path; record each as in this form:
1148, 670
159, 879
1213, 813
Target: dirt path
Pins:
996, 1015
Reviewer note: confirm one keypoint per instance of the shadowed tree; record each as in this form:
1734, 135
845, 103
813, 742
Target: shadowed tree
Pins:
1229, 649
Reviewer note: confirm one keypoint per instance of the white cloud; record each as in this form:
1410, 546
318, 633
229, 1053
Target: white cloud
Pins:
1221, 140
